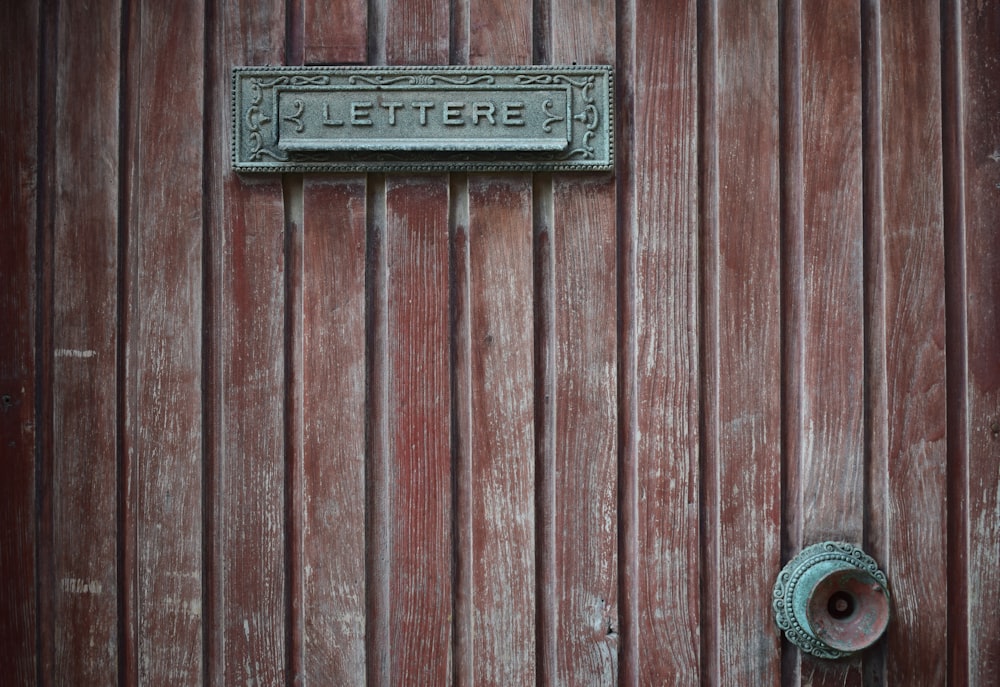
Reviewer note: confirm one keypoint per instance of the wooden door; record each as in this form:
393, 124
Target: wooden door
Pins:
499, 429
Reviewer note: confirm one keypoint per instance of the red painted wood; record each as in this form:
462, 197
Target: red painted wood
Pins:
662, 378
81, 579
912, 277
976, 246
410, 492
416, 31
417, 425
426, 449
327, 275
336, 32
743, 318
163, 355
493, 346
580, 577
584, 592
502, 437
824, 294
246, 443
500, 32
18, 363
333, 417
831, 323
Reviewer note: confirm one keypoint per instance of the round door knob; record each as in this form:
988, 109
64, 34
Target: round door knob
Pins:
832, 600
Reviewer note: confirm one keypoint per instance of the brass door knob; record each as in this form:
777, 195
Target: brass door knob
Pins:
832, 600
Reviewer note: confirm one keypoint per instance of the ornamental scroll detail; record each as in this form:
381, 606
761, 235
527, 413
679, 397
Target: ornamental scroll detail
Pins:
372, 119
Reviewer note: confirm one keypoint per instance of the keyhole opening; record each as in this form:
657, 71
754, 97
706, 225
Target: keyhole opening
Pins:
840, 606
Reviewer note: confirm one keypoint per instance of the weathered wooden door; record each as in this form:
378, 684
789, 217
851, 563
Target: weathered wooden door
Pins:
499, 429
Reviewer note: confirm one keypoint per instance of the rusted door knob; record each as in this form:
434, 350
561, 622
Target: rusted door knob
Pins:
832, 600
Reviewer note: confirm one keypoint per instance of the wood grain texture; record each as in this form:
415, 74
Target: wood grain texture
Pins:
19, 72
163, 354
412, 545
585, 617
979, 252
502, 436
580, 615
499, 32
743, 375
914, 353
416, 31
84, 239
334, 429
245, 298
832, 319
418, 432
336, 32
664, 380
824, 292
333, 412
492, 267
327, 305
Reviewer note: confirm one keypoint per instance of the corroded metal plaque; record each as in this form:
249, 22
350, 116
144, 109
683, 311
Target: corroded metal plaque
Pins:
372, 119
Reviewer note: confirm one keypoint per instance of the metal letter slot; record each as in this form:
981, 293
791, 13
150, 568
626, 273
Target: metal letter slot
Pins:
422, 119
832, 600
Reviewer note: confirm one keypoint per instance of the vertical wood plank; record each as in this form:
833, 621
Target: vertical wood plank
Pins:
327, 562
336, 32
583, 596
245, 301
824, 291
163, 355
832, 324
662, 201
974, 255
502, 437
83, 192
411, 489
19, 78
492, 266
579, 507
418, 390
742, 374
333, 410
912, 274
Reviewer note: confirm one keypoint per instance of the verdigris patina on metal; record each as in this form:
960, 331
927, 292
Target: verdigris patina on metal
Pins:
424, 119
832, 600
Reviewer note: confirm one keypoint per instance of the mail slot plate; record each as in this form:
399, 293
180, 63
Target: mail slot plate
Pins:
422, 119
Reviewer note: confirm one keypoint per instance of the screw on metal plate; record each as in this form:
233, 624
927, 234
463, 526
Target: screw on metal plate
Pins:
832, 600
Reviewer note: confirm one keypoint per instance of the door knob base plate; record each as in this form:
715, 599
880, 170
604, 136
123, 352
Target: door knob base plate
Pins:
831, 600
